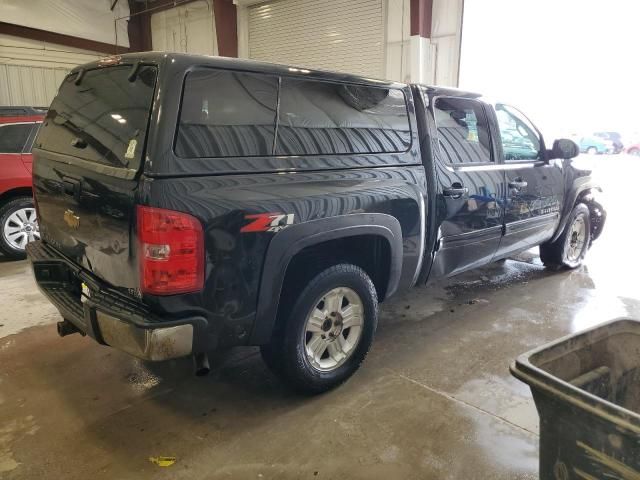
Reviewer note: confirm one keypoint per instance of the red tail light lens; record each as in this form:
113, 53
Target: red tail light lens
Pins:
171, 252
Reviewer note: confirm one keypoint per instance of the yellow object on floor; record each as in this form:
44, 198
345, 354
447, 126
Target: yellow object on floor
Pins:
163, 461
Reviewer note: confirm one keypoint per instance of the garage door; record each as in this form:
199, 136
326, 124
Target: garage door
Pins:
342, 35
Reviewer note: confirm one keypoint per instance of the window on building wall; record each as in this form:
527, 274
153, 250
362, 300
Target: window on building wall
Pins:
463, 133
227, 114
324, 118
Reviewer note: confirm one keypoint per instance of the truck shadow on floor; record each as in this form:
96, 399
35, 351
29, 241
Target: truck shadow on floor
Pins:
241, 369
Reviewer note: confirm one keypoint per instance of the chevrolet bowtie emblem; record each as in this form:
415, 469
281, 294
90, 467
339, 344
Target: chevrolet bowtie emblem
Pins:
71, 219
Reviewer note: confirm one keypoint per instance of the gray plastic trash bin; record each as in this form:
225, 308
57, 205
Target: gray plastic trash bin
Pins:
587, 391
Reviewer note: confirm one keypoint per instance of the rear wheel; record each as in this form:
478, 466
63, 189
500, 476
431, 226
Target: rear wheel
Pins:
635, 151
19, 226
592, 150
570, 248
327, 332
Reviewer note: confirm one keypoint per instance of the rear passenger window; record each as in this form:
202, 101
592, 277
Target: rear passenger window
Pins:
463, 133
227, 114
13, 137
331, 118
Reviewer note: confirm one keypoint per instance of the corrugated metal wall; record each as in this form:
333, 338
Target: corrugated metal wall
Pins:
342, 35
27, 85
187, 28
446, 34
31, 71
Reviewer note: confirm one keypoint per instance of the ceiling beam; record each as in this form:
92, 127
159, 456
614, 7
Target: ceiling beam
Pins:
59, 38
421, 17
226, 27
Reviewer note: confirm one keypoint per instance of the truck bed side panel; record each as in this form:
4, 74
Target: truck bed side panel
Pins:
236, 254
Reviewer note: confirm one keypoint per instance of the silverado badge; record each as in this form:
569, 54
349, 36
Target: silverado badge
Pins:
71, 219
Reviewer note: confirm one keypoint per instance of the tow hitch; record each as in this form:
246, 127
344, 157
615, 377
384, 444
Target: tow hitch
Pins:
65, 328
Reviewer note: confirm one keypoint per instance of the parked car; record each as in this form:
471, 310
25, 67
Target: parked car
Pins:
633, 149
18, 127
195, 203
614, 137
595, 145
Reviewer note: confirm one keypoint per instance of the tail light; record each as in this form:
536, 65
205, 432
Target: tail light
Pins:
171, 252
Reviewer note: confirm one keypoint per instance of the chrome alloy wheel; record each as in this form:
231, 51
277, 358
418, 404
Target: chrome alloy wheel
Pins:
20, 228
333, 329
576, 239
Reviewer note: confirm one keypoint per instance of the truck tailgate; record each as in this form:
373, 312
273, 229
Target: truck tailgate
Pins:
86, 167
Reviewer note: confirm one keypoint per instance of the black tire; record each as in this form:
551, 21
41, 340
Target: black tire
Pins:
592, 151
5, 212
286, 354
635, 152
555, 255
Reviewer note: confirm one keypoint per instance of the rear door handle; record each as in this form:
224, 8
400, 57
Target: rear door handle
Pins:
518, 184
455, 191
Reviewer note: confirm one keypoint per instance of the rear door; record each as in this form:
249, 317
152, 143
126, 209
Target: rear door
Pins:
469, 186
86, 162
535, 189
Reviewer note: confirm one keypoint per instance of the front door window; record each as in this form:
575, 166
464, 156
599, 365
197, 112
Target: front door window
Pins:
520, 141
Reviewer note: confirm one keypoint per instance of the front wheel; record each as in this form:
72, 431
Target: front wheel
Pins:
19, 226
328, 331
570, 248
592, 151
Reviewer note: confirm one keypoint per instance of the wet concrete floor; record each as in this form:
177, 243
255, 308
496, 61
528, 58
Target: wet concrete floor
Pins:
434, 399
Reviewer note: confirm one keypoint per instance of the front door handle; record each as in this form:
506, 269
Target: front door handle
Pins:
518, 184
455, 191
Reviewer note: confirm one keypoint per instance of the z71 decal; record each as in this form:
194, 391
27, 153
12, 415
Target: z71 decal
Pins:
267, 222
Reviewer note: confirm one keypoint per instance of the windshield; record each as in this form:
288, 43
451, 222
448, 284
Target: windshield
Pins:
101, 115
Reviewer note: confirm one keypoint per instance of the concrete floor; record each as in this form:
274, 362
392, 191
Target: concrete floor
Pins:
433, 400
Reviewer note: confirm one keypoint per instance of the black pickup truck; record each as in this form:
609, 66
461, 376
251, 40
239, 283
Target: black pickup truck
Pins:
192, 203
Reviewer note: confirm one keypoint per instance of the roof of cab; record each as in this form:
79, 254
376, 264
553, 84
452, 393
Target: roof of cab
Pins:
21, 114
19, 110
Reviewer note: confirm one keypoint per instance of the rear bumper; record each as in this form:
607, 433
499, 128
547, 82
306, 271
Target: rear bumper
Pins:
108, 316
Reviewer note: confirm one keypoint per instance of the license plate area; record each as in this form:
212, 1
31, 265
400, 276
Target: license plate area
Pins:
55, 274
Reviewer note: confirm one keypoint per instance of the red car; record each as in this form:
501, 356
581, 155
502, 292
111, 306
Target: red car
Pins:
18, 224
633, 149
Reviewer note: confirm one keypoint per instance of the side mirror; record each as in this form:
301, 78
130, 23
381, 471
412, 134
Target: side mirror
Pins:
564, 148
